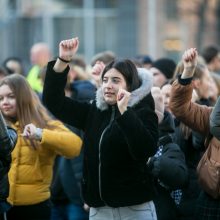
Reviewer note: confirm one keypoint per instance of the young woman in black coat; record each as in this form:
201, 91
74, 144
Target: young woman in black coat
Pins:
121, 133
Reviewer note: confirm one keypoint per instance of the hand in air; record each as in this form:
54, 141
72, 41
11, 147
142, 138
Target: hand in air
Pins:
68, 48
97, 71
123, 97
189, 58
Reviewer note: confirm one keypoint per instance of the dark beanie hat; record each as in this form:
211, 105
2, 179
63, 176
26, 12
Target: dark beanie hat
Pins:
166, 66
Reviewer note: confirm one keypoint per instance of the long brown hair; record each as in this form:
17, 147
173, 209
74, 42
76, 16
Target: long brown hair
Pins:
28, 105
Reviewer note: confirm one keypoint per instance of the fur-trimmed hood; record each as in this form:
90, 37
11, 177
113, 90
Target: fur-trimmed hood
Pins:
137, 95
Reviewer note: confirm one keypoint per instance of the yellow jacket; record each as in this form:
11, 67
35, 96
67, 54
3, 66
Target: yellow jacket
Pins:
31, 170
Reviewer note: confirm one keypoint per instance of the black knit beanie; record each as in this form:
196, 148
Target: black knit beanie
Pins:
166, 66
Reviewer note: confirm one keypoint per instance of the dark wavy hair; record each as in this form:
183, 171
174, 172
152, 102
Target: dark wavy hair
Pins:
127, 68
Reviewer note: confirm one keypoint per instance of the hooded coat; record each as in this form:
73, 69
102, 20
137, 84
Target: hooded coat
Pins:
116, 147
197, 117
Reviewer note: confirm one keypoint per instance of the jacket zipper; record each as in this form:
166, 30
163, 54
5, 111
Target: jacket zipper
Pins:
100, 142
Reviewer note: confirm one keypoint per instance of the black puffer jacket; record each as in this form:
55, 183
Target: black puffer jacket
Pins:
7, 144
116, 146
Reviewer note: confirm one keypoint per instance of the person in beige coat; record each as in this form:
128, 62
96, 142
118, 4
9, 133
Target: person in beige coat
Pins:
197, 117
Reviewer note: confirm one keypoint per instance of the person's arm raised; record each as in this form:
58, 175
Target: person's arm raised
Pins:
189, 59
67, 49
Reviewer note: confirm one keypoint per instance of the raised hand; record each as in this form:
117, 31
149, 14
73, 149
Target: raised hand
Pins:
159, 103
97, 71
68, 48
123, 97
189, 59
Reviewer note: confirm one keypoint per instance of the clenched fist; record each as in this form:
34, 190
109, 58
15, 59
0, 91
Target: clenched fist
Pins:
68, 48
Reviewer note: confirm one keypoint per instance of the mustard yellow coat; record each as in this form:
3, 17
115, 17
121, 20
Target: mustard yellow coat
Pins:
31, 170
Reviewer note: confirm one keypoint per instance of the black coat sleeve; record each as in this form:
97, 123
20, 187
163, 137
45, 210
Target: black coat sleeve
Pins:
8, 138
67, 110
7, 144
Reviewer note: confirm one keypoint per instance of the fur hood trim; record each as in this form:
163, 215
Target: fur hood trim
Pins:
137, 95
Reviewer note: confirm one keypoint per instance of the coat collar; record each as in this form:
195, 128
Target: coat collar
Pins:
136, 95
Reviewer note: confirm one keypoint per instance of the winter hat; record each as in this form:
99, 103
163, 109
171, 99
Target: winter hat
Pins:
166, 66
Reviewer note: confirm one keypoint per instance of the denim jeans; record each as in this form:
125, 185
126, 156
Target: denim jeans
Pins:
68, 212
4, 207
145, 211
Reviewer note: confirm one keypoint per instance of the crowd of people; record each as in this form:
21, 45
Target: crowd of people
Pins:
113, 139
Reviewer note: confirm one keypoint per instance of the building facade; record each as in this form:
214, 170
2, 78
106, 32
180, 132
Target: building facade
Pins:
127, 27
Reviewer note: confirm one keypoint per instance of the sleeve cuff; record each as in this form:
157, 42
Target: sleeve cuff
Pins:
184, 82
